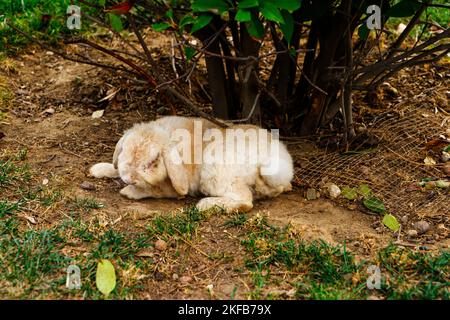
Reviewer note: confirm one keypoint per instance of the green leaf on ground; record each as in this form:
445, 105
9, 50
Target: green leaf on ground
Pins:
105, 278
365, 190
391, 222
374, 205
349, 193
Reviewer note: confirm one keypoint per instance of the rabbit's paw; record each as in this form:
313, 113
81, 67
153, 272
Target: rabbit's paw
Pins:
104, 170
209, 203
229, 205
131, 192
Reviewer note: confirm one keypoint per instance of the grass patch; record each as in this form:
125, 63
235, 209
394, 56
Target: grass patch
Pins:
34, 258
176, 224
8, 208
11, 171
86, 204
237, 220
30, 258
34, 262
415, 275
323, 271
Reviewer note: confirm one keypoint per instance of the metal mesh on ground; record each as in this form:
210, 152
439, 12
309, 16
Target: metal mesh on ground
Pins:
392, 170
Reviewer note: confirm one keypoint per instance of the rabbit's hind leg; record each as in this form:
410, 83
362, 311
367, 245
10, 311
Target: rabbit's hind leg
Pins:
239, 199
229, 205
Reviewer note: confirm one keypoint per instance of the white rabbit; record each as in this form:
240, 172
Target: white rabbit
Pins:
147, 158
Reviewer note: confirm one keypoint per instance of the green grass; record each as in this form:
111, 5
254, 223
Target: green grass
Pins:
8, 208
11, 172
331, 272
416, 275
177, 224
238, 219
86, 204
34, 258
440, 15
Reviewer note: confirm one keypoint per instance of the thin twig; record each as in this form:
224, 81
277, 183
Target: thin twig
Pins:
255, 103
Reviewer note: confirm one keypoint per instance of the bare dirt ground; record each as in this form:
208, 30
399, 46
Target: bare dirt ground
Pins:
51, 118
63, 144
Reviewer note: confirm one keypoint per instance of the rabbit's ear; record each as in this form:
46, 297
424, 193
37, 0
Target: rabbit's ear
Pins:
176, 171
117, 151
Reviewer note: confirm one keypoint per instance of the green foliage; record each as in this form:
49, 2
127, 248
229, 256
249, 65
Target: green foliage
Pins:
403, 8
161, 26
251, 12
116, 22
201, 22
45, 19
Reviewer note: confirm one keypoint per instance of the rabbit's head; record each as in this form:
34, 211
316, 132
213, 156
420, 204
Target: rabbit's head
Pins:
141, 158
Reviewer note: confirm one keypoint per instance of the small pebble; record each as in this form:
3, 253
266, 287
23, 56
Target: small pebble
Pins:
412, 233
87, 186
311, 194
334, 191
161, 245
175, 276
48, 111
422, 226
185, 279
404, 219
98, 114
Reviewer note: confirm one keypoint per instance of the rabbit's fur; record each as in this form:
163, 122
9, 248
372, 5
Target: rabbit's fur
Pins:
142, 159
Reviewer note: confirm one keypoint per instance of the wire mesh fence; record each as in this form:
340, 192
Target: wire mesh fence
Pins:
393, 169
